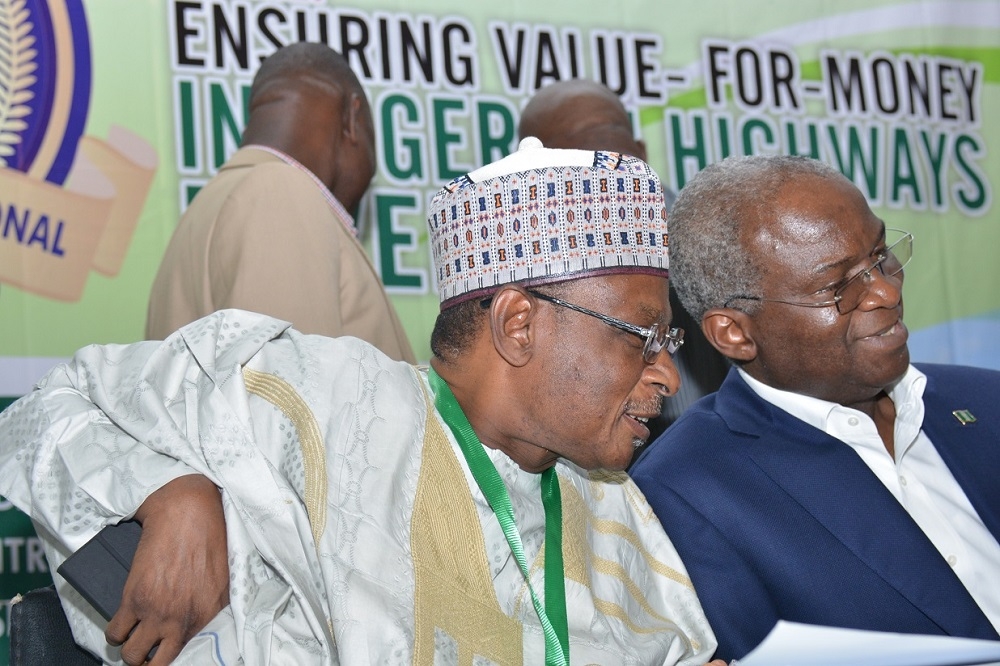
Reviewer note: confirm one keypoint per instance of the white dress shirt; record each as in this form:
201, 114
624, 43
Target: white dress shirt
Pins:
918, 478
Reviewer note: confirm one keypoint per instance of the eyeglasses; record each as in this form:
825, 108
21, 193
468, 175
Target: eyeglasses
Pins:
657, 337
849, 292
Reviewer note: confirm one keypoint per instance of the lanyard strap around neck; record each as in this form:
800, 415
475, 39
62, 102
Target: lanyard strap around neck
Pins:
553, 615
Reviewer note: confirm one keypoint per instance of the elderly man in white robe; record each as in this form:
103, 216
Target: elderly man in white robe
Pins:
315, 502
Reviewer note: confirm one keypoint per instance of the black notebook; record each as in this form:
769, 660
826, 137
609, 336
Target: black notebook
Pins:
99, 569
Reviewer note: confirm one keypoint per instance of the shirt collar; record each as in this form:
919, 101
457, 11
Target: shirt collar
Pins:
906, 394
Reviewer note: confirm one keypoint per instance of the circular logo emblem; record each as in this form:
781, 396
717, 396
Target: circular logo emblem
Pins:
45, 79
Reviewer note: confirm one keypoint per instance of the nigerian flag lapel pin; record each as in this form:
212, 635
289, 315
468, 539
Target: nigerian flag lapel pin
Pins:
964, 416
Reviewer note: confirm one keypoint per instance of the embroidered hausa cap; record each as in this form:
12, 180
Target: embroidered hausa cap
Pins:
544, 215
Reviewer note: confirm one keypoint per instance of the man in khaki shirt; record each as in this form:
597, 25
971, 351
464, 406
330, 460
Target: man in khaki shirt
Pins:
271, 233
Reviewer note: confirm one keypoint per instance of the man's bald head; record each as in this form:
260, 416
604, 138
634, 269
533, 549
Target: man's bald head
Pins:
306, 102
302, 65
580, 113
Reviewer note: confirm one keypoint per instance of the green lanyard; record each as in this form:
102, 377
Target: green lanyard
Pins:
553, 615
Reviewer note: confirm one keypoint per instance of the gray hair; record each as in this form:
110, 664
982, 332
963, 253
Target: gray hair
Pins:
709, 263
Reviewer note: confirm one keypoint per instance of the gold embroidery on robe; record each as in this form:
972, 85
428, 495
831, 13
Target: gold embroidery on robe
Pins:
454, 591
282, 395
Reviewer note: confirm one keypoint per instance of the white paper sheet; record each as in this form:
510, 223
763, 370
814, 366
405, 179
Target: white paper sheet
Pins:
794, 644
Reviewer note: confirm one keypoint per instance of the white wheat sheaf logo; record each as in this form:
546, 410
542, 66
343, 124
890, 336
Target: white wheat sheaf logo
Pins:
17, 74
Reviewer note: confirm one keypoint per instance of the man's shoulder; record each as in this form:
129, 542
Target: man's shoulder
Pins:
952, 371
249, 191
967, 381
696, 441
714, 437
232, 337
702, 421
270, 172
256, 171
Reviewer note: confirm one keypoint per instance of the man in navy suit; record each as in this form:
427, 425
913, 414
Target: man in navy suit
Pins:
828, 481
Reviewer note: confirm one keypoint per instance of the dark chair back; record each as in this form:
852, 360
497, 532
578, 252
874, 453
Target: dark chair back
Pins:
40, 634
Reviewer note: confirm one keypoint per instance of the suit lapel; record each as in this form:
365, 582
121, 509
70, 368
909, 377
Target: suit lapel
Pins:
972, 452
831, 482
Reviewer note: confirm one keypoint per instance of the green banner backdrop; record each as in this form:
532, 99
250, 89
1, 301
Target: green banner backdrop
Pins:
114, 112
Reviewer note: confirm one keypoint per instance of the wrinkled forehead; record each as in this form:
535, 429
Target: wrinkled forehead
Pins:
813, 222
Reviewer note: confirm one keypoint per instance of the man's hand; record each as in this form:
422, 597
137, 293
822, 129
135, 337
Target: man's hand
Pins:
179, 578
717, 662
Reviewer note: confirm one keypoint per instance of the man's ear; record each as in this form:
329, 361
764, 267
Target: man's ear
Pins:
512, 324
352, 123
642, 149
731, 332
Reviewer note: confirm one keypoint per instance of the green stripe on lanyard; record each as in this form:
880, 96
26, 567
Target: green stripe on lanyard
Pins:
553, 615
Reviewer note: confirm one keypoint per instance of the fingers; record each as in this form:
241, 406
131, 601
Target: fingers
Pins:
140, 642
137, 647
179, 578
165, 652
120, 626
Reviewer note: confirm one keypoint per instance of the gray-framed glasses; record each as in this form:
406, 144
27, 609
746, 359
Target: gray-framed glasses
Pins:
849, 292
657, 337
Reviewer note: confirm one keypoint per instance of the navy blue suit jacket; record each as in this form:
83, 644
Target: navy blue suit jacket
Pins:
775, 519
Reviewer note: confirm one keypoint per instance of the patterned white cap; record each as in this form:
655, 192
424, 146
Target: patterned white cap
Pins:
546, 215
